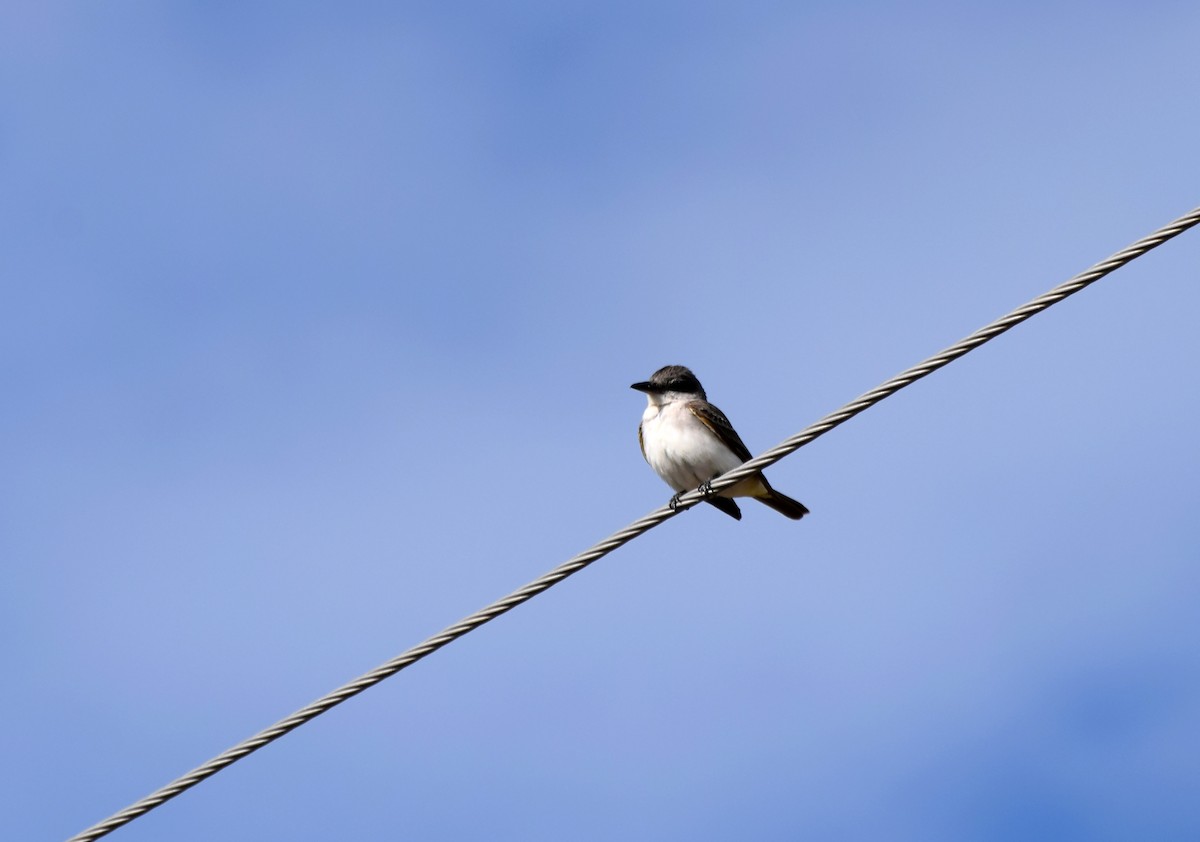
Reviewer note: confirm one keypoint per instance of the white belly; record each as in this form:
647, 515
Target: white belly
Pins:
685, 453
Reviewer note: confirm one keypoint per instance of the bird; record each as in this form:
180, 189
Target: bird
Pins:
689, 442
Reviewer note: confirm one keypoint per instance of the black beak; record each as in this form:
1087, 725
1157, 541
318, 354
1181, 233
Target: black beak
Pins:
643, 387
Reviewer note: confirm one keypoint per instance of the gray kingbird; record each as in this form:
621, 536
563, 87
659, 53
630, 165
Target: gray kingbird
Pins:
688, 442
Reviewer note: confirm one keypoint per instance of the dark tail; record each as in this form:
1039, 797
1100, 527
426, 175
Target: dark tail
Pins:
783, 504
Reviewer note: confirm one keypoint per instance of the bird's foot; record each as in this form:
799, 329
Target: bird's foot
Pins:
674, 502
706, 488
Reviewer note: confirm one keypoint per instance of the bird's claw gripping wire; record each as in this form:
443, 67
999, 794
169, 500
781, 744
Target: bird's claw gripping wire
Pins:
705, 488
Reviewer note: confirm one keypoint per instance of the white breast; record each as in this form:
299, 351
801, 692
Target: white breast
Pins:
681, 449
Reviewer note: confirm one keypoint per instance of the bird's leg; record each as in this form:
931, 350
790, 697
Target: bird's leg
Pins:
706, 488
674, 502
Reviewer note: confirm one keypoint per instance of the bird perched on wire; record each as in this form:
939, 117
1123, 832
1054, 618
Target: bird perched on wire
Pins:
689, 442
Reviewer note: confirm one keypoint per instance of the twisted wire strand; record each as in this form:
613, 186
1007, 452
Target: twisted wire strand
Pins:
633, 530
946, 356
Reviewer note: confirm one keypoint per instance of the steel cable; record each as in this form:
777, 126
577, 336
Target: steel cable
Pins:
636, 528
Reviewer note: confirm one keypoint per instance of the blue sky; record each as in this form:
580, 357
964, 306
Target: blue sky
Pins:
316, 329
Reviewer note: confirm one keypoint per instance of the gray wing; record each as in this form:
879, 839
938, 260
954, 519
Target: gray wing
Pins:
716, 421
642, 442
